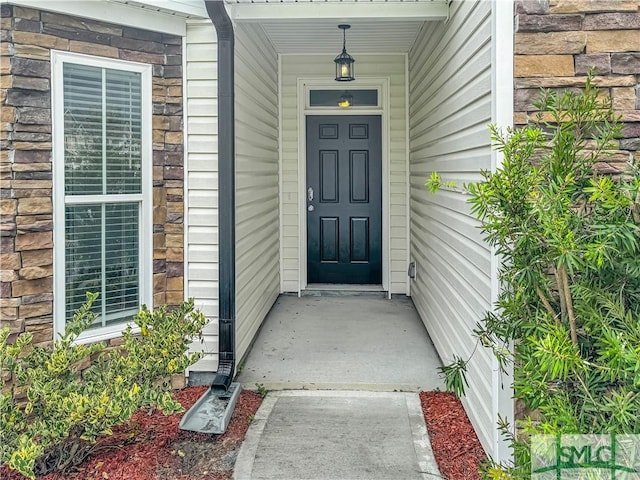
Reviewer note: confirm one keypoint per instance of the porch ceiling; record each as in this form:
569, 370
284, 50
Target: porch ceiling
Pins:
323, 37
310, 26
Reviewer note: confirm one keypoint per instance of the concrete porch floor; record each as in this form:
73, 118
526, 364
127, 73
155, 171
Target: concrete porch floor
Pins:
342, 343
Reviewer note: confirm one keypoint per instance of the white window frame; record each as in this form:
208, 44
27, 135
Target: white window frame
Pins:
60, 200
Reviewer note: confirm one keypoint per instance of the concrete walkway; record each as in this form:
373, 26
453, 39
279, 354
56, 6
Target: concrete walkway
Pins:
327, 435
345, 343
342, 365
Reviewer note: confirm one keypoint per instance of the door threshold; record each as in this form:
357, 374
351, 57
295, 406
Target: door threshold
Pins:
342, 289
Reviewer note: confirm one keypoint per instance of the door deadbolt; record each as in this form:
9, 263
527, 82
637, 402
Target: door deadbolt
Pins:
310, 194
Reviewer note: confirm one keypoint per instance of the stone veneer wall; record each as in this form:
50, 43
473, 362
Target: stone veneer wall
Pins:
558, 41
26, 231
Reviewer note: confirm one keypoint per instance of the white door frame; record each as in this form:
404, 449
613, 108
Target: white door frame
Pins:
303, 109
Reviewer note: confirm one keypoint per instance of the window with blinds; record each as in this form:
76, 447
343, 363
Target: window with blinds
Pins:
103, 152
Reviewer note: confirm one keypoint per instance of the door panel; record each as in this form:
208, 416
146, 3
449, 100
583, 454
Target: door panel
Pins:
344, 199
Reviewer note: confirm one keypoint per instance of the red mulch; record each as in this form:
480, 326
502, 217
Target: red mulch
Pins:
152, 447
455, 444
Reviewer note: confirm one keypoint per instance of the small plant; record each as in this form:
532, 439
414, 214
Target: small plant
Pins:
569, 242
55, 412
262, 391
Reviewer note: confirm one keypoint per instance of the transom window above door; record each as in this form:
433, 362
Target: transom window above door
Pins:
345, 98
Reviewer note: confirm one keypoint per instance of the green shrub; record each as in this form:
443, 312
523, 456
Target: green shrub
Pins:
569, 242
68, 406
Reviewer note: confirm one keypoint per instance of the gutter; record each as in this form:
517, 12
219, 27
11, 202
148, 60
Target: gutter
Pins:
226, 193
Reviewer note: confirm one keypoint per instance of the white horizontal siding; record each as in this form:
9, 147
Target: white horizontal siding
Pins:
319, 66
202, 183
257, 194
450, 108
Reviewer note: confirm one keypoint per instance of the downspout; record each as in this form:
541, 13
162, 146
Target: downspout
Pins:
226, 192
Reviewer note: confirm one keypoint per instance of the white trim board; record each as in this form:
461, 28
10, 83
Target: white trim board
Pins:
383, 11
304, 85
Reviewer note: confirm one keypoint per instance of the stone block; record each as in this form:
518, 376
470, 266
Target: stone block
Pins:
15, 326
79, 35
34, 258
24, 12
159, 265
32, 273
31, 115
137, 45
173, 60
582, 6
626, 63
159, 282
30, 287
599, 62
631, 130
532, 6
10, 261
31, 83
31, 167
30, 68
34, 205
5, 65
613, 41
550, 43
562, 82
173, 71
140, 34
161, 122
175, 283
32, 146
36, 310
632, 144
8, 276
173, 137
612, 21
23, 136
93, 49
24, 25
159, 254
173, 172
543, 66
623, 98
40, 40
34, 241
43, 335
175, 254
142, 57
174, 241
548, 23
37, 298
32, 51
6, 11
28, 98
159, 241
31, 192
30, 223
159, 215
159, 299
32, 156
8, 315
8, 206
174, 298
67, 22
630, 115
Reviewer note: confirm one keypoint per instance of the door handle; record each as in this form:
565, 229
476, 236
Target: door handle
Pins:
310, 194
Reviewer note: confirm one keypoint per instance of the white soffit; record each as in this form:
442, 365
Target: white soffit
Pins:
311, 26
324, 37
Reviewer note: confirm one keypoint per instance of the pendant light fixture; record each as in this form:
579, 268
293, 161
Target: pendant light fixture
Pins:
344, 61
